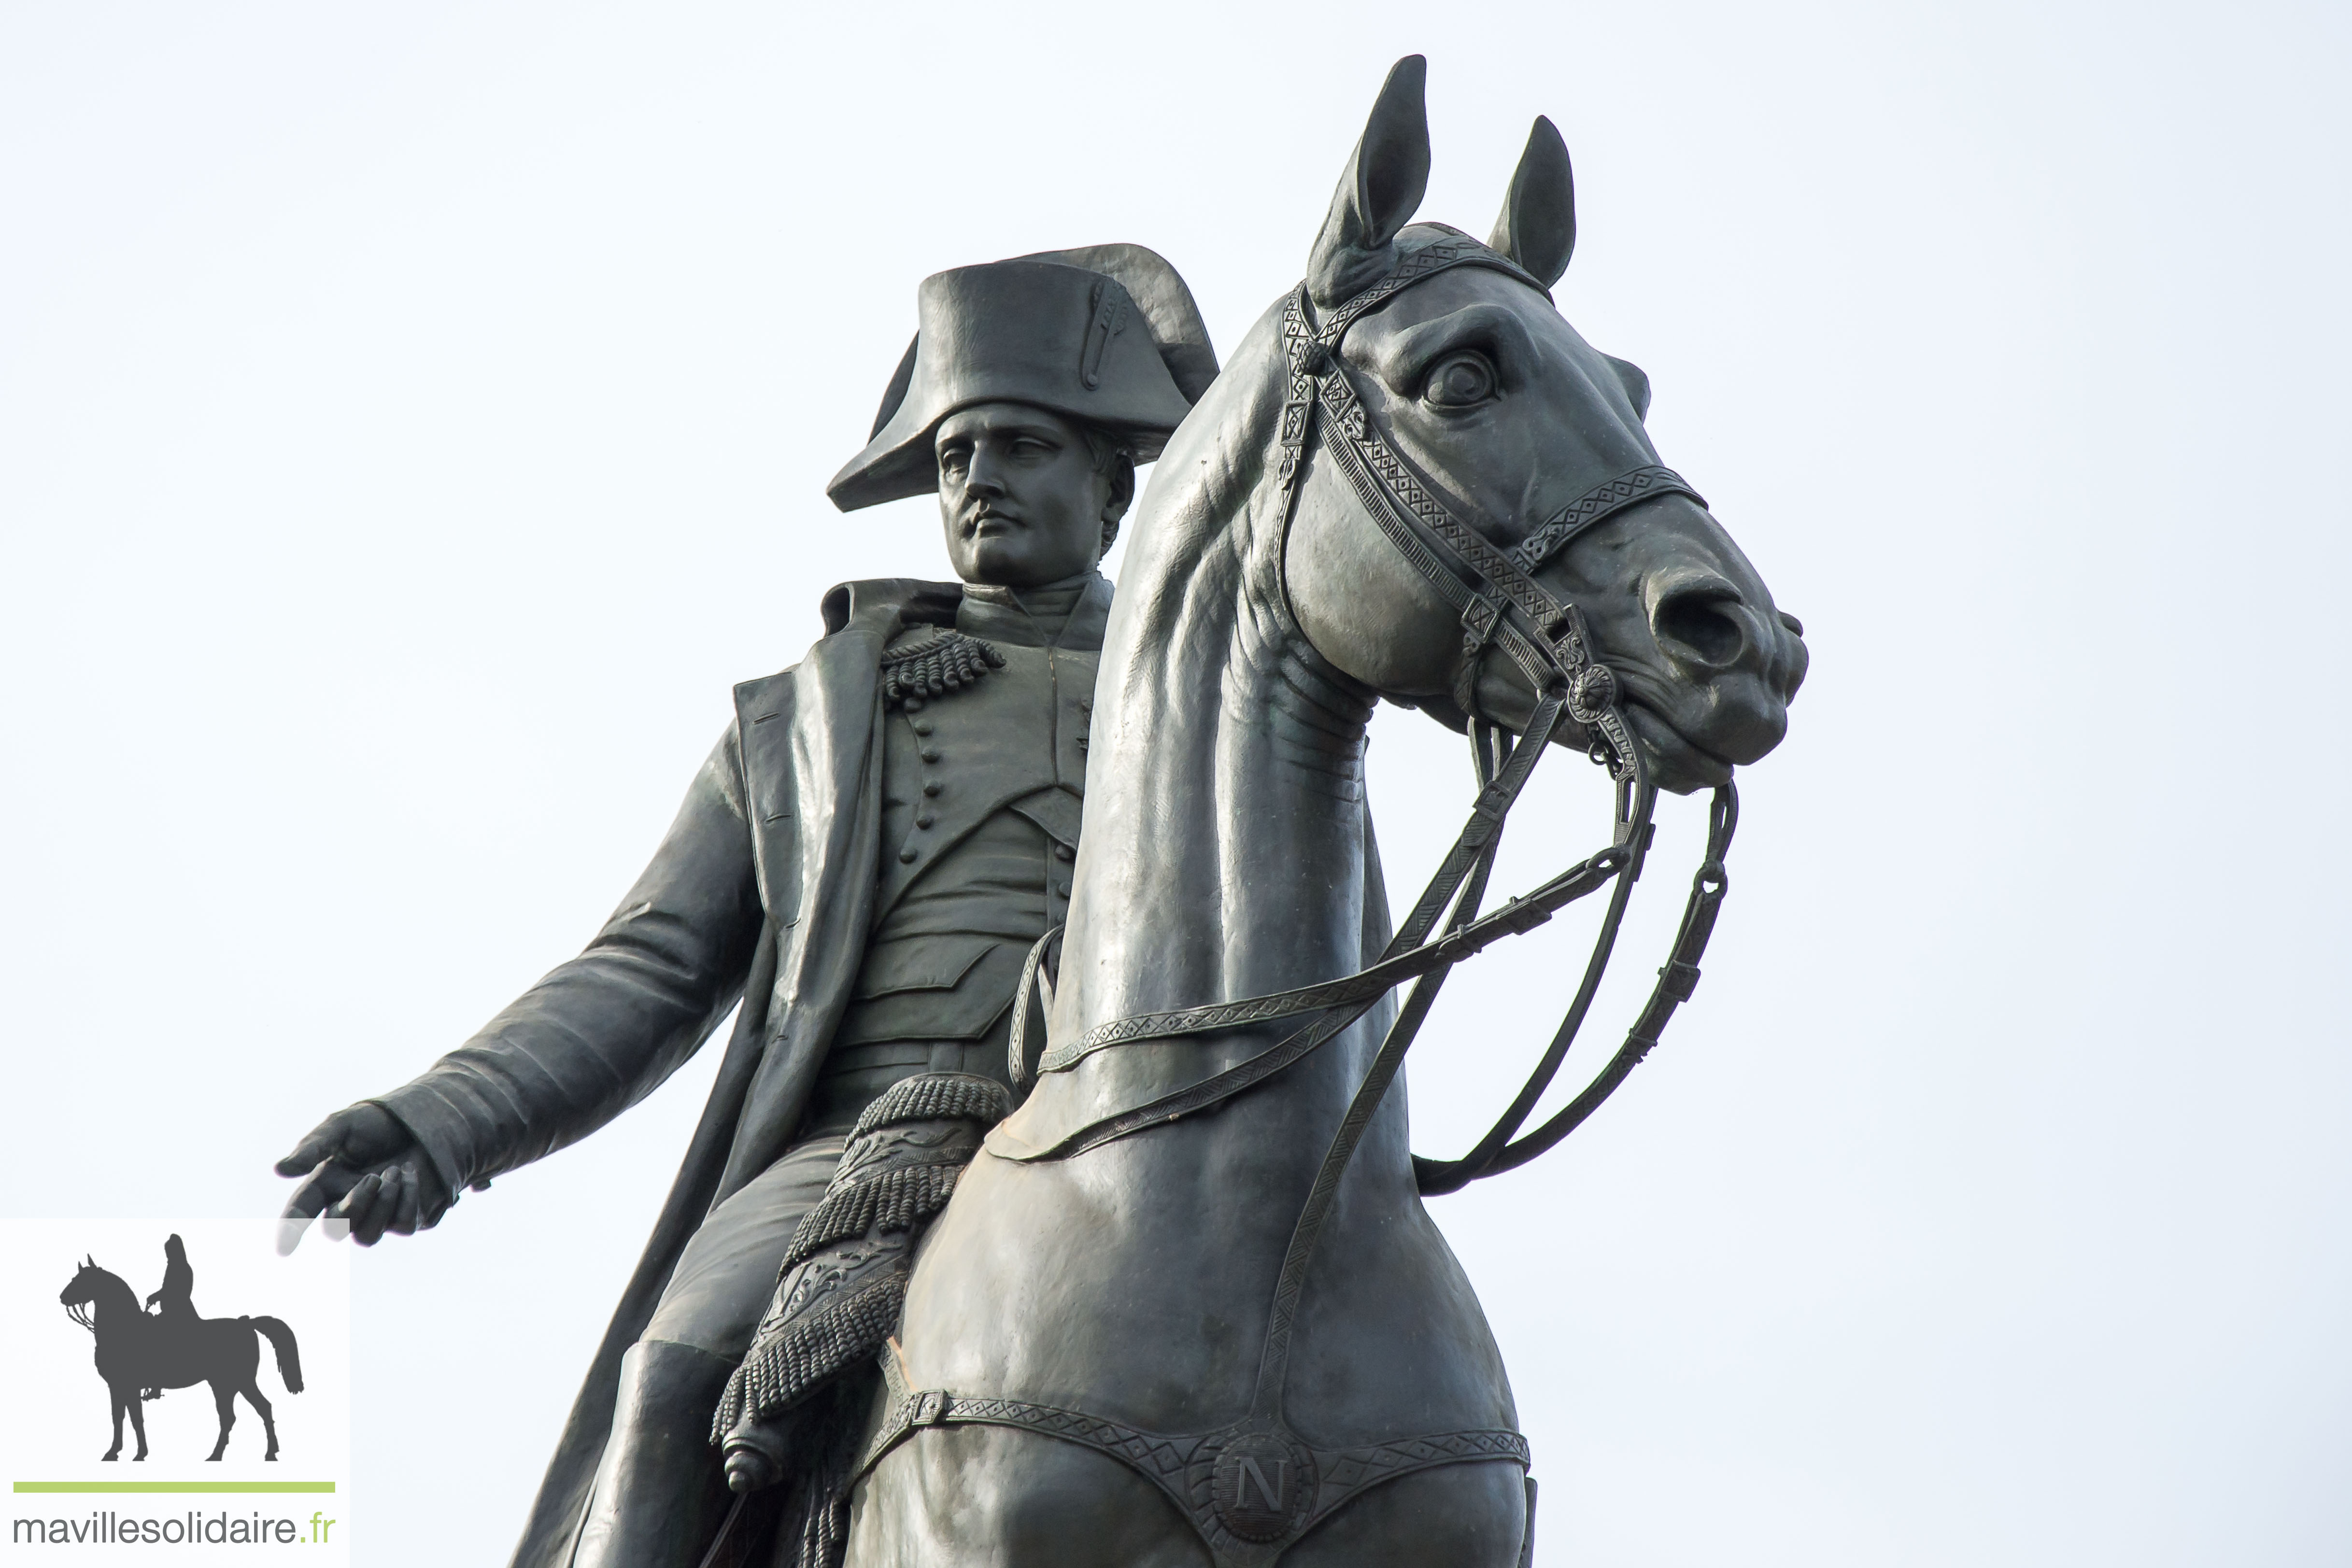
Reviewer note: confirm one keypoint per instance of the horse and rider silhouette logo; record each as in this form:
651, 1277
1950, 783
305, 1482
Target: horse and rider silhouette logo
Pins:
146, 1350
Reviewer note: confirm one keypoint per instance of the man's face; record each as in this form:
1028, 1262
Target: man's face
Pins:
1022, 502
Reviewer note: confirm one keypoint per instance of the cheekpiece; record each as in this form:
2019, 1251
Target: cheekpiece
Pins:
1106, 335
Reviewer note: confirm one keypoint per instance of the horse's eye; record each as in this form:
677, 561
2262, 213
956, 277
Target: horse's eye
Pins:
1460, 380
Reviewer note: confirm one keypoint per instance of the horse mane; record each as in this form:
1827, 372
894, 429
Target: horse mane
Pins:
1201, 664
1194, 528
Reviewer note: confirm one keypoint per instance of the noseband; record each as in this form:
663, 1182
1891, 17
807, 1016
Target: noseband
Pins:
1210, 1476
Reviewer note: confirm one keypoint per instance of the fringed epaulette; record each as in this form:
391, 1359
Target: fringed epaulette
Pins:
921, 672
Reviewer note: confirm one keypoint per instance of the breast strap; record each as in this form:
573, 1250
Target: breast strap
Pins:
1251, 1490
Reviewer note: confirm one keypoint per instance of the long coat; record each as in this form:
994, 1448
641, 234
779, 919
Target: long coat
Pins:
763, 891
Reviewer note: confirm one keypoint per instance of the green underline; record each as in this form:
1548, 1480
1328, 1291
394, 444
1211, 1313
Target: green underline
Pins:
175, 1486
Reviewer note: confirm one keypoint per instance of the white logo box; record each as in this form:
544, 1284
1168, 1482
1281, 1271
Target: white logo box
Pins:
67, 1504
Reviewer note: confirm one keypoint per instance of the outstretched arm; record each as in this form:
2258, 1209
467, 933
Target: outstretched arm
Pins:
594, 1037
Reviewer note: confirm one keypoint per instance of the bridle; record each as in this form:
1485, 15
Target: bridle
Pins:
1500, 601
1501, 605
82, 1312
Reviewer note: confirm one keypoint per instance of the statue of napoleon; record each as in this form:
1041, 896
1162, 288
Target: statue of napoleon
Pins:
867, 861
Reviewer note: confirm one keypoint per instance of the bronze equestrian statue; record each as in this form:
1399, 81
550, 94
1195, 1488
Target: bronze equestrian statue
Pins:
1183, 1304
864, 861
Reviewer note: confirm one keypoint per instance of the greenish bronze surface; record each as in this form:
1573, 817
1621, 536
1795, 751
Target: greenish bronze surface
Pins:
1183, 1304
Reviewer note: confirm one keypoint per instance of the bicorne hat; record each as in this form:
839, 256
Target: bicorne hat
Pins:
1106, 335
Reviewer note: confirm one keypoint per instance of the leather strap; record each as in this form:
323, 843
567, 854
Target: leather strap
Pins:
1602, 501
1186, 1466
1476, 841
1487, 814
1677, 979
1032, 977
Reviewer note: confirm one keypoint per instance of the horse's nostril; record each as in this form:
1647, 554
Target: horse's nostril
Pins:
1701, 622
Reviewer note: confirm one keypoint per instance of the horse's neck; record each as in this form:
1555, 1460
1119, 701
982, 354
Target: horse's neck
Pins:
113, 1301
1225, 842
1225, 827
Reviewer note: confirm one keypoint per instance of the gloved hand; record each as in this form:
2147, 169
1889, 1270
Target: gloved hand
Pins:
361, 1165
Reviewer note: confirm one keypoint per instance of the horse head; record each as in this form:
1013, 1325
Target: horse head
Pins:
83, 1293
1510, 421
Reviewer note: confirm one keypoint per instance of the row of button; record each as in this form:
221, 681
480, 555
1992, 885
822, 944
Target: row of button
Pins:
931, 787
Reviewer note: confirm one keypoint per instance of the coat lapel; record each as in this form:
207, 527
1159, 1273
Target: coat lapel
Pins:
813, 772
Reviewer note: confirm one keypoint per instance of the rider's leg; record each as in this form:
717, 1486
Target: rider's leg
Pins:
660, 1490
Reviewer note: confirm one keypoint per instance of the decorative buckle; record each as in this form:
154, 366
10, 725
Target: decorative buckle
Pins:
1592, 693
930, 1407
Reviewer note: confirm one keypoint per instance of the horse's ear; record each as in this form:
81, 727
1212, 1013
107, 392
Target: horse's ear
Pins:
1380, 192
1537, 228
1636, 382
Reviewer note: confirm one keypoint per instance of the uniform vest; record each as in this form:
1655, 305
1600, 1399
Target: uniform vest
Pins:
982, 795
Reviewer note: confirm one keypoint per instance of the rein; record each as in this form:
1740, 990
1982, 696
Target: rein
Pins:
1500, 604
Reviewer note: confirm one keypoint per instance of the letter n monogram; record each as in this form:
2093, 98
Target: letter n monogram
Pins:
1251, 1472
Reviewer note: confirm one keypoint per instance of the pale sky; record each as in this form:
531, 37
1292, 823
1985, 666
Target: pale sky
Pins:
413, 420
